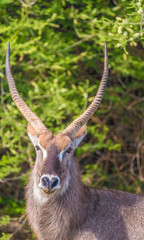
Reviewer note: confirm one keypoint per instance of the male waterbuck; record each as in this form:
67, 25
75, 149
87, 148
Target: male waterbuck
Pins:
58, 205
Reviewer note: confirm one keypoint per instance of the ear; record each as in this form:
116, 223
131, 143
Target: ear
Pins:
79, 136
32, 135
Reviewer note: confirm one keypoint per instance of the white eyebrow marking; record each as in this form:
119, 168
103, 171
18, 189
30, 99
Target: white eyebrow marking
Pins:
60, 156
35, 142
43, 150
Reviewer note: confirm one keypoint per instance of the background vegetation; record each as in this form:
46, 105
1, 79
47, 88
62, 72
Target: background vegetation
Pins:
57, 62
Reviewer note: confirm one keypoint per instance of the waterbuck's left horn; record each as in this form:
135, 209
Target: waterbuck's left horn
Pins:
32, 118
72, 129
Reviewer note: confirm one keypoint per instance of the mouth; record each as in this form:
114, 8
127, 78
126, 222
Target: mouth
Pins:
46, 190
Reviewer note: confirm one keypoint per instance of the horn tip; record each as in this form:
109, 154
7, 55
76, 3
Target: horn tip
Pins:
105, 47
106, 53
7, 63
8, 49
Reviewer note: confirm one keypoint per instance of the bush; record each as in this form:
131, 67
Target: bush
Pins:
57, 62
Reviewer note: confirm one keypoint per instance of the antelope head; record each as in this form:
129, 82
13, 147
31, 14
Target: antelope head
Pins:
54, 162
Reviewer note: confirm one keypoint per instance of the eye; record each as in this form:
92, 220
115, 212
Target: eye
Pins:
68, 150
37, 148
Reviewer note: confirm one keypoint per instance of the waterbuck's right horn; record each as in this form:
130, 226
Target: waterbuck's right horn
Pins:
31, 117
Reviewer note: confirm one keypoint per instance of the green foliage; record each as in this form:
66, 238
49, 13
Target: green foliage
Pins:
4, 220
94, 175
57, 62
5, 236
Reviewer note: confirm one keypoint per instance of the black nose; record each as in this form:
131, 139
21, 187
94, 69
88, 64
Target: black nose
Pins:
50, 183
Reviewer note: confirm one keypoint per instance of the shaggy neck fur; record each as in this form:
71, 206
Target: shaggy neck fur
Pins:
60, 215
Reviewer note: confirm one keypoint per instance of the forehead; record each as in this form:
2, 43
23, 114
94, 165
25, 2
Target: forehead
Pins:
60, 141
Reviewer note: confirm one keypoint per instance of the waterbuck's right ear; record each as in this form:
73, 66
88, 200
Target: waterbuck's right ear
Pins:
32, 135
79, 136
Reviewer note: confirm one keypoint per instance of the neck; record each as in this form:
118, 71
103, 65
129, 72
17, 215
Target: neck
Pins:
56, 213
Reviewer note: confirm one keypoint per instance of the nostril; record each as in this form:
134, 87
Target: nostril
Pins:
45, 181
54, 182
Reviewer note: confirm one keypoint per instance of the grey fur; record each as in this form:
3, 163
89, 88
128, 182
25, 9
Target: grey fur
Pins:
84, 213
73, 211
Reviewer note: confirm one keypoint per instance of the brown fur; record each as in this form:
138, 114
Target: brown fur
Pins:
58, 205
77, 212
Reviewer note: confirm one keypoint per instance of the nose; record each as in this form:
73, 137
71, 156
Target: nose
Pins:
49, 182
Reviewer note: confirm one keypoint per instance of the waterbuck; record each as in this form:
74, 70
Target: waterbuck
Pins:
58, 205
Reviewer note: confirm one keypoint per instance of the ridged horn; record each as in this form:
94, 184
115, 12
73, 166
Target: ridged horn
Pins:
32, 118
72, 129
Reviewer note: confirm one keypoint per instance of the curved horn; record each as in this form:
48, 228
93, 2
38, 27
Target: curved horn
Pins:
72, 129
32, 118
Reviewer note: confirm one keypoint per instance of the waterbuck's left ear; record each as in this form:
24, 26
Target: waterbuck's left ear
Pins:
32, 135
79, 136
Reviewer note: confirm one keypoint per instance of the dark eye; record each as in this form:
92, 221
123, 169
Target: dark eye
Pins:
69, 150
37, 148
